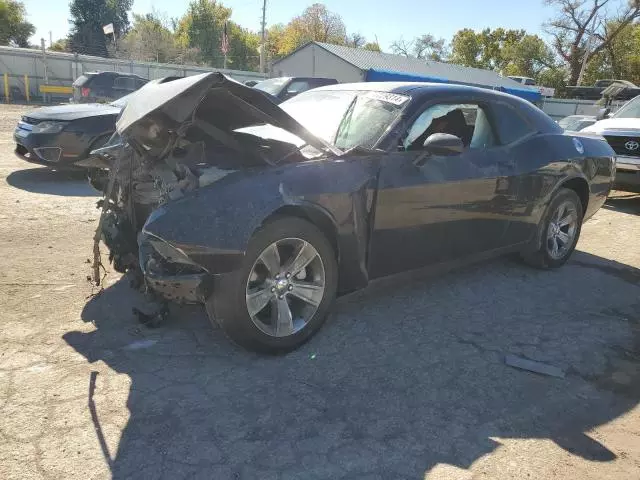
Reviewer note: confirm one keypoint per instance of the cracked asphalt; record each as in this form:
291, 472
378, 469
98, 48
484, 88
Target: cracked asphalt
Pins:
406, 381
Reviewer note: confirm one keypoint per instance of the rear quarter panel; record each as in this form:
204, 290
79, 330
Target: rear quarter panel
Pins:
547, 162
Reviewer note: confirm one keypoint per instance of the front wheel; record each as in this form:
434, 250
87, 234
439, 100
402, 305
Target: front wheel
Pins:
559, 231
281, 295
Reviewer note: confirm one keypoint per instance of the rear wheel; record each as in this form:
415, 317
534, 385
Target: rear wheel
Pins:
559, 231
281, 295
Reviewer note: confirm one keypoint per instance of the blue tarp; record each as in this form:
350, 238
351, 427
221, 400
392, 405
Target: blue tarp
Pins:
376, 75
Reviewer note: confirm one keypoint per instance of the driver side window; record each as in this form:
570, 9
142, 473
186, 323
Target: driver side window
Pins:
468, 122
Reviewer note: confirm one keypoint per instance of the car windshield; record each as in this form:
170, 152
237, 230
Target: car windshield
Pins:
630, 110
272, 86
345, 118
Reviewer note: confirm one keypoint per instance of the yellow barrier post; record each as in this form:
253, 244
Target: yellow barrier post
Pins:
6, 87
27, 92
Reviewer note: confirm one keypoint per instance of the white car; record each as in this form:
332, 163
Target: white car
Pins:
622, 131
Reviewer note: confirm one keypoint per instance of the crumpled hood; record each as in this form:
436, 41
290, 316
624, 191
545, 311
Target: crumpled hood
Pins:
73, 111
624, 124
213, 101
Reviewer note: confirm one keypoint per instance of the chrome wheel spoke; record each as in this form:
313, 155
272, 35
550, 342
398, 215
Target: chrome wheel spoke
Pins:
282, 317
567, 220
271, 259
257, 299
302, 257
564, 238
308, 292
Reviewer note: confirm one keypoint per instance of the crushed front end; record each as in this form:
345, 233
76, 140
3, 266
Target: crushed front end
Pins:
173, 139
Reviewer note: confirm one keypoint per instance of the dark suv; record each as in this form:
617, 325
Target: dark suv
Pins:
283, 88
103, 87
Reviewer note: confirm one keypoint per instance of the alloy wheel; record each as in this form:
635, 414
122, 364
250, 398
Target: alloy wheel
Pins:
562, 230
285, 287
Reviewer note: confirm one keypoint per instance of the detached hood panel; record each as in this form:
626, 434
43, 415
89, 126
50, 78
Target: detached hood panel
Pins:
211, 101
614, 124
72, 111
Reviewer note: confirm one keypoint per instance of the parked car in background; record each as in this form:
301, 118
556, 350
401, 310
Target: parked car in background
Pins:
104, 87
60, 136
595, 92
283, 88
530, 82
265, 213
575, 123
622, 132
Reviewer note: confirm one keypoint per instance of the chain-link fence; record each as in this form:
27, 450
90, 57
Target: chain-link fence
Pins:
45, 76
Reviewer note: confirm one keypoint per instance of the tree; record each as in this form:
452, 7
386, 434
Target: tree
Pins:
527, 57
316, 23
150, 39
466, 49
201, 27
14, 29
620, 59
372, 47
61, 45
424, 47
577, 20
244, 53
356, 40
87, 19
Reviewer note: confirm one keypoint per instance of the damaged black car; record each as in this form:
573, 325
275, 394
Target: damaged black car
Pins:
265, 213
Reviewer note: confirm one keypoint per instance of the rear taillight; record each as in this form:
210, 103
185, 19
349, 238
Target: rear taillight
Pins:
85, 92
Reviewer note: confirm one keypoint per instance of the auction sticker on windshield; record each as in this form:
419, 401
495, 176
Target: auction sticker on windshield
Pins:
393, 98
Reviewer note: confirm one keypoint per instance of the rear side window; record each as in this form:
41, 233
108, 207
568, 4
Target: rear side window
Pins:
298, 86
510, 124
100, 81
125, 83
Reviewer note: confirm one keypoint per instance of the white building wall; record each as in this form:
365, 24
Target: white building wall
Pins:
315, 61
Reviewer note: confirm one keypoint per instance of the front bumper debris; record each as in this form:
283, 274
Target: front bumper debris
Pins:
170, 274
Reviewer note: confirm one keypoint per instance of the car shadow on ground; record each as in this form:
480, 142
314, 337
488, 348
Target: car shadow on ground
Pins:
403, 377
625, 203
52, 182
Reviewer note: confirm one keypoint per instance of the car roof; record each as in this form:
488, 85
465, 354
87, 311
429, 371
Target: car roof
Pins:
110, 72
416, 88
423, 91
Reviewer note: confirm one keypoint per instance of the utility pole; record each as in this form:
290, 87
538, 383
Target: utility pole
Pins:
50, 39
264, 36
44, 62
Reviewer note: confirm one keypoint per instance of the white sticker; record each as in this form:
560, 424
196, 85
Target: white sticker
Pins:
579, 146
388, 97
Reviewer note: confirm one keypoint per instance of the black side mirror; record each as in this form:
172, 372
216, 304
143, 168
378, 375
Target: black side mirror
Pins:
603, 113
441, 144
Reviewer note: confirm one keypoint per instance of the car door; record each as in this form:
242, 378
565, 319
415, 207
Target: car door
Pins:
432, 208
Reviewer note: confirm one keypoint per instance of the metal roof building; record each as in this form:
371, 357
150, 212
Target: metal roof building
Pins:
348, 64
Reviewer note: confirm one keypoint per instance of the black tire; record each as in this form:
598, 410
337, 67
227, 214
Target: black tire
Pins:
227, 305
541, 258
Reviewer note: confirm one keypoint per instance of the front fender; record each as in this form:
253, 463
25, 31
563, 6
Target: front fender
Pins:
213, 225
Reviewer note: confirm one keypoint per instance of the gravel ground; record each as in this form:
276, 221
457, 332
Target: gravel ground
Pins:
407, 379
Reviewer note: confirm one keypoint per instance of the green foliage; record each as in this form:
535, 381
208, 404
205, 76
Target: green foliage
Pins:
619, 60
150, 39
14, 29
87, 19
201, 27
